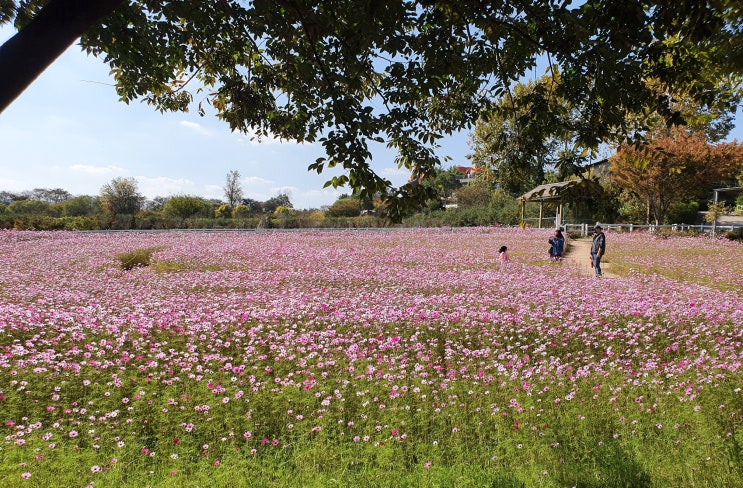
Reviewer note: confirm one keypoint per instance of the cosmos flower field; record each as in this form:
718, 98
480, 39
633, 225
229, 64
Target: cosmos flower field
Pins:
368, 358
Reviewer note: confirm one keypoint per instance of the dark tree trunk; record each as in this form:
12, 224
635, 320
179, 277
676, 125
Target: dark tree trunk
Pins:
26, 55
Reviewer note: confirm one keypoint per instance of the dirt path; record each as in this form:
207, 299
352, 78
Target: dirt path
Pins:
579, 252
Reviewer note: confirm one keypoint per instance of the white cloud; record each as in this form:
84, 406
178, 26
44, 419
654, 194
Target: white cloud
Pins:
395, 172
12, 185
163, 186
318, 198
261, 197
256, 181
96, 170
213, 191
195, 127
284, 190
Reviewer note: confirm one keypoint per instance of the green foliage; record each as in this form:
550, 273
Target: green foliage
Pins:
683, 213
121, 196
597, 200
442, 184
283, 211
735, 235
28, 207
632, 209
454, 217
81, 205
527, 132
156, 204
184, 207
224, 211
345, 207
137, 258
291, 71
281, 200
241, 212
475, 194
318, 74
284, 218
506, 208
42, 222
498, 208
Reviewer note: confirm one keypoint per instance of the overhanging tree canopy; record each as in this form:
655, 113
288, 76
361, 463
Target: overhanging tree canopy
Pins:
352, 73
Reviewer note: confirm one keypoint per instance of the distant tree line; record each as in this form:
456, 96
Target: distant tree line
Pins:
665, 180
119, 205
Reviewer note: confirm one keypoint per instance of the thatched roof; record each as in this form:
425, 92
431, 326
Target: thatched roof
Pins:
551, 192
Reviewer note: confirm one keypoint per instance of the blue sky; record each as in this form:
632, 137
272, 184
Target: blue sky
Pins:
68, 130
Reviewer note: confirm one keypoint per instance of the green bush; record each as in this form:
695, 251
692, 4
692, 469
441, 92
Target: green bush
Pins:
345, 207
80, 223
683, 213
28, 207
241, 212
224, 211
735, 235
135, 259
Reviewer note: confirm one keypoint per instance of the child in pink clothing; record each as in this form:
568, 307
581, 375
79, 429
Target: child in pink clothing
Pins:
503, 254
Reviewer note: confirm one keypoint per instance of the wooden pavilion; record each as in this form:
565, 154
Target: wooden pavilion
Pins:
555, 193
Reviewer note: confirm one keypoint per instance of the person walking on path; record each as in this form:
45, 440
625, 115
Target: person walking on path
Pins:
598, 249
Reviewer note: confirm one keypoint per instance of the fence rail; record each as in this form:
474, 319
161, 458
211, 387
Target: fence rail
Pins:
586, 229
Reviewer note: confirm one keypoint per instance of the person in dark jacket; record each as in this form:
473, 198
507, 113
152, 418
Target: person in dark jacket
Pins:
598, 248
557, 246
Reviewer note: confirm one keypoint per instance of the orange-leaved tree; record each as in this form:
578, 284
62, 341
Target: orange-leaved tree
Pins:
676, 164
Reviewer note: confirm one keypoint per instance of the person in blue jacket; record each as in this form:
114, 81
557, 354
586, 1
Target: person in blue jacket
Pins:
557, 246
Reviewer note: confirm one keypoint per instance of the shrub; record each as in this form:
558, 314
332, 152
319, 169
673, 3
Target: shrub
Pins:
224, 211
683, 212
345, 207
735, 235
28, 207
241, 212
138, 258
80, 223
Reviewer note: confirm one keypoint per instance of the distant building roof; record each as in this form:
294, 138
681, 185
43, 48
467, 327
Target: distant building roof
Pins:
468, 170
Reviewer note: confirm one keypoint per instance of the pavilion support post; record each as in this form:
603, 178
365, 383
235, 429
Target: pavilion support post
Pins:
523, 204
541, 211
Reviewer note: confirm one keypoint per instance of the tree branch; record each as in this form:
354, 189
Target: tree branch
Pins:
27, 54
